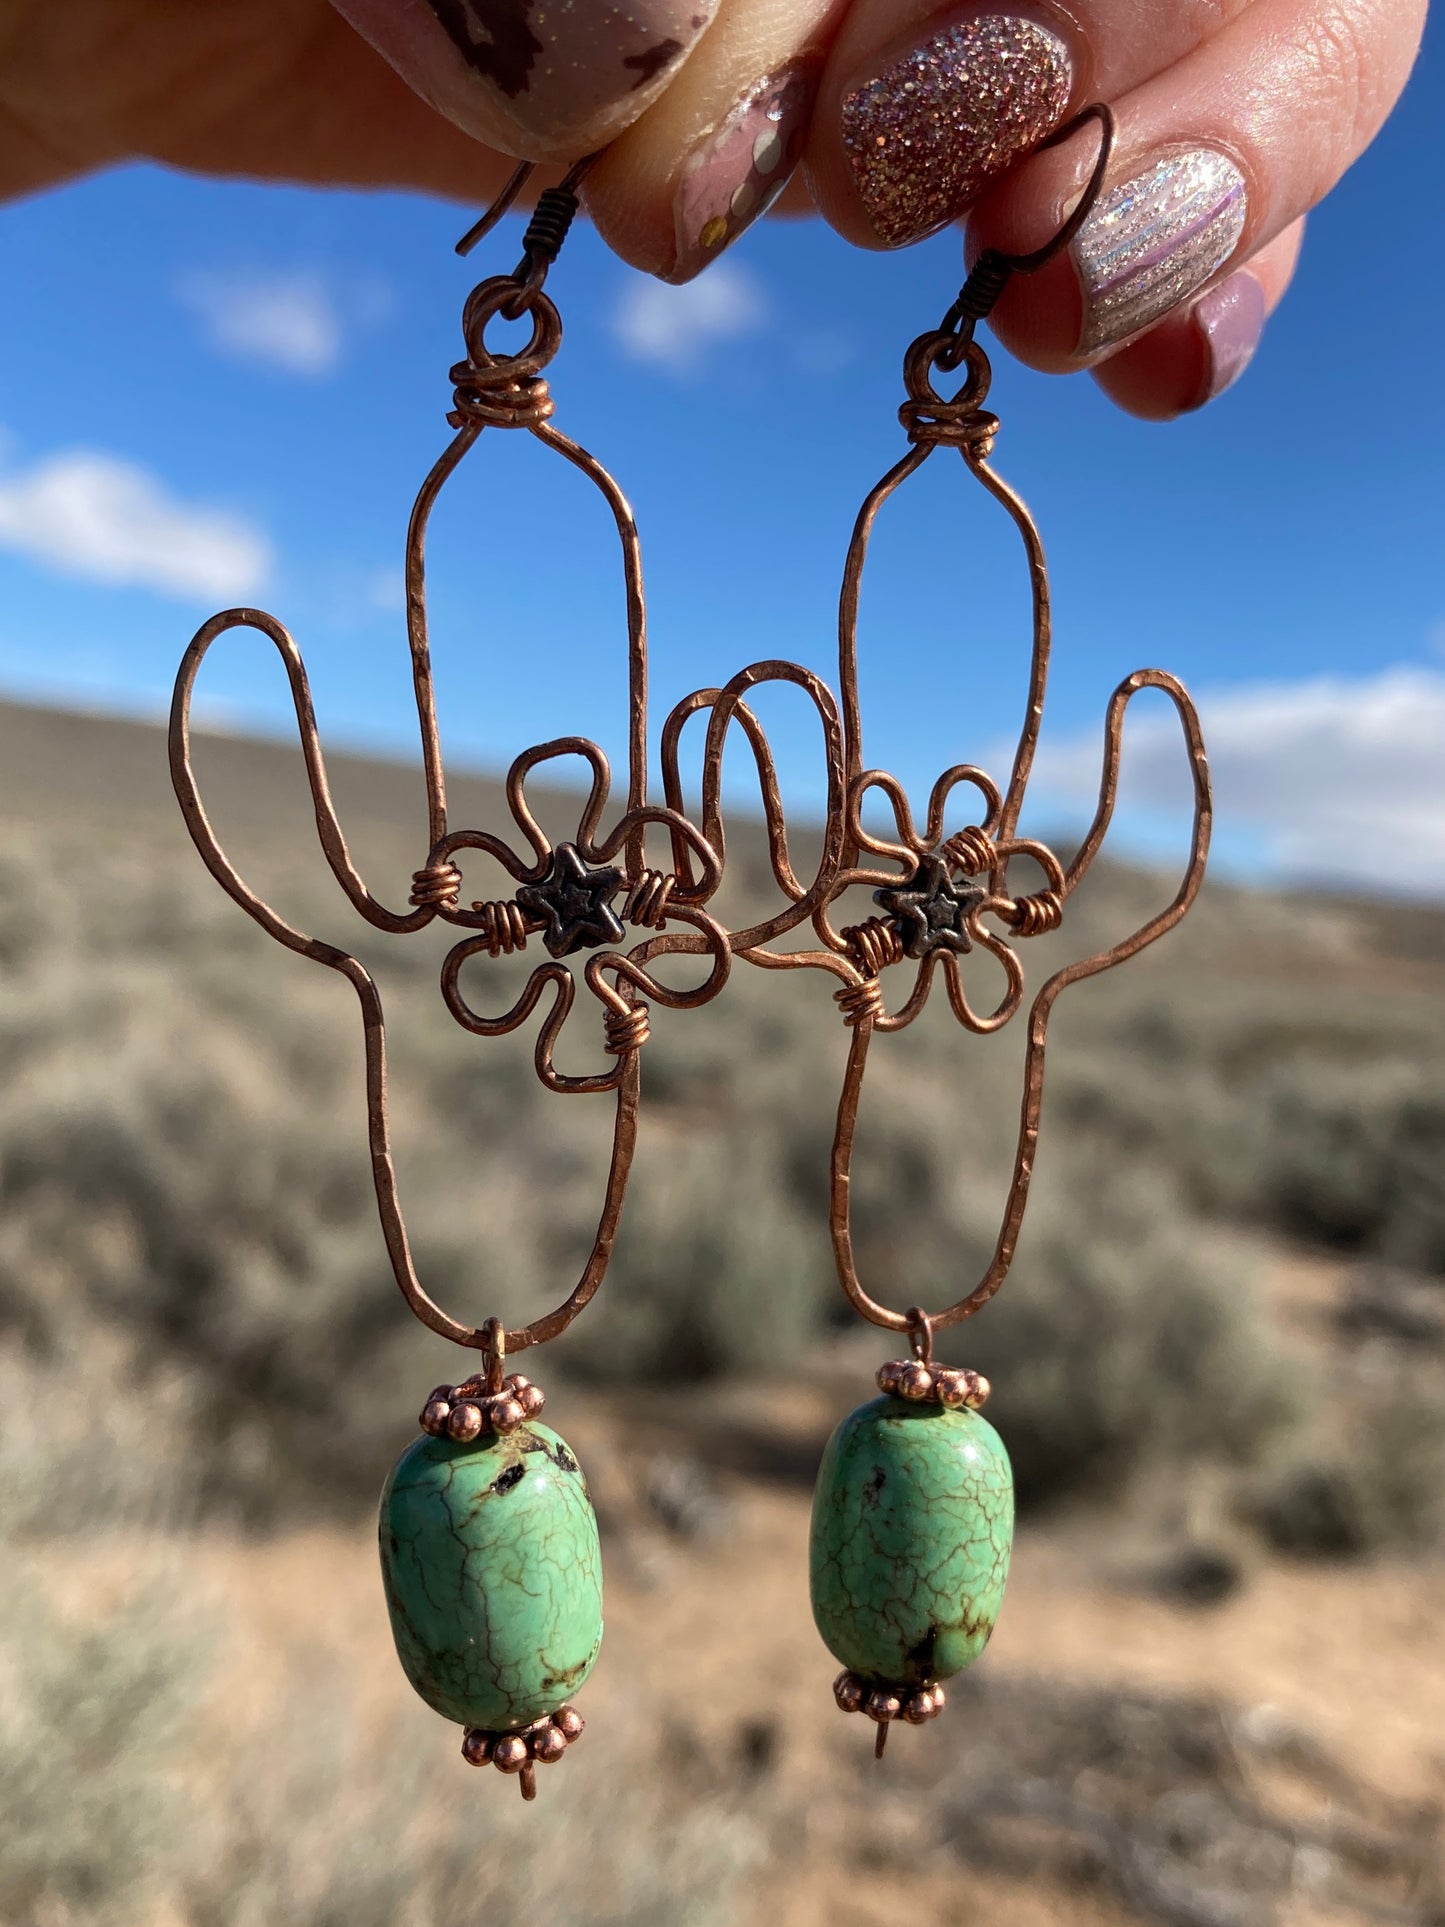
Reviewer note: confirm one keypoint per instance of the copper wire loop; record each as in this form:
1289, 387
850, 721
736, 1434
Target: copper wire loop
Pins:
505, 390
920, 1334
958, 421
945, 893
438, 886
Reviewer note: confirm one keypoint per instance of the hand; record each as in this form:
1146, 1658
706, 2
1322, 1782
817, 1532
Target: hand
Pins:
1234, 119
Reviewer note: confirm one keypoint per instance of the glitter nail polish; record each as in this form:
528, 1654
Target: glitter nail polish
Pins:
741, 167
935, 126
1154, 240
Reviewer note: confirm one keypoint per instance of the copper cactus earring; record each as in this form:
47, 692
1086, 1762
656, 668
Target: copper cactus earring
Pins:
489, 1544
913, 1514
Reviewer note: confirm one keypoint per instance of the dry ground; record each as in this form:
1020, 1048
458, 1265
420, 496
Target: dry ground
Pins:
1328, 1681
1273, 1759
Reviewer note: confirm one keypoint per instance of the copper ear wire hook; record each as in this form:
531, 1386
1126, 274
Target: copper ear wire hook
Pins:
993, 270
500, 208
549, 227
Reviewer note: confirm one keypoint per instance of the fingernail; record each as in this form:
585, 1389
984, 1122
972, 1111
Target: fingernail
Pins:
1152, 241
1230, 320
558, 73
741, 168
925, 134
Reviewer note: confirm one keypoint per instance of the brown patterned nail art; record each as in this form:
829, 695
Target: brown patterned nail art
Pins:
565, 61
739, 170
558, 77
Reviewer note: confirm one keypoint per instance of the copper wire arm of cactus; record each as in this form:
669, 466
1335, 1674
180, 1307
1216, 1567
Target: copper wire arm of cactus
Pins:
724, 707
373, 1021
1039, 1016
333, 842
774, 819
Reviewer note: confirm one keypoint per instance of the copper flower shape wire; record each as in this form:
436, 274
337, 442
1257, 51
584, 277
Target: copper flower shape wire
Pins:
651, 898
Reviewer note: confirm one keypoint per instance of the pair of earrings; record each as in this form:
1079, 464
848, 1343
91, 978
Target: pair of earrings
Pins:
489, 1544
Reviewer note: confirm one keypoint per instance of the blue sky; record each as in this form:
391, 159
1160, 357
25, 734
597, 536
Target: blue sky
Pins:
218, 392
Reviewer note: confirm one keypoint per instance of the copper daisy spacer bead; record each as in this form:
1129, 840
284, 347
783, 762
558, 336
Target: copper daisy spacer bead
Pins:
465, 1422
435, 1414
890, 1375
511, 1753
478, 1747
916, 1382
951, 1389
569, 1723
883, 1705
506, 1415
546, 1742
850, 1692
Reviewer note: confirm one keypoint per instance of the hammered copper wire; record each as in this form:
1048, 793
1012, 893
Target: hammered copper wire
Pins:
859, 955
510, 391
492, 390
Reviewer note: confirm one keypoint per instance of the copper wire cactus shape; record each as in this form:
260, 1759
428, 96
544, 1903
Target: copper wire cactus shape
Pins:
603, 864
944, 883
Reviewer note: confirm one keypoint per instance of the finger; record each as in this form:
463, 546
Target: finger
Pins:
287, 91
920, 109
1195, 353
540, 79
719, 147
1214, 160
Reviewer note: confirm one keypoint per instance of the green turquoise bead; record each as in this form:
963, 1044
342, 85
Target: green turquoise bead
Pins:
493, 1575
912, 1529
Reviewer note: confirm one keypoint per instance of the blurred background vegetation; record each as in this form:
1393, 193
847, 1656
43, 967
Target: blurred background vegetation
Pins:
1217, 1369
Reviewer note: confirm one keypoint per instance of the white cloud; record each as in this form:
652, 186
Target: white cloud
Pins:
674, 327
1340, 779
292, 321
90, 514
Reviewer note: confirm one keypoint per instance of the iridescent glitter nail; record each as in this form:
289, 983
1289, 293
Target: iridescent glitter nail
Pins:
1151, 242
936, 125
742, 167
